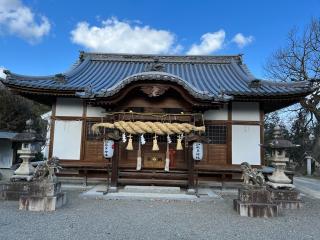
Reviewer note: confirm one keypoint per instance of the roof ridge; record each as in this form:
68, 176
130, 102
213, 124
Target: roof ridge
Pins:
298, 84
161, 58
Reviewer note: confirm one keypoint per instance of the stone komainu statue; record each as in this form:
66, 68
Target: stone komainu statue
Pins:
47, 170
251, 176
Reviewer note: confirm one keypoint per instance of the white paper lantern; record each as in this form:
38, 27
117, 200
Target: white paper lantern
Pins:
108, 148
197, 151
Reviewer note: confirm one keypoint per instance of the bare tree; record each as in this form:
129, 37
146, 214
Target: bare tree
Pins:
299, 60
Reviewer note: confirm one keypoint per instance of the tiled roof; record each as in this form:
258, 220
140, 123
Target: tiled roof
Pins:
7, 135
202, 76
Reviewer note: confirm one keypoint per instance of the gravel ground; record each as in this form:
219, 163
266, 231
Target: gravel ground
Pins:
125, 219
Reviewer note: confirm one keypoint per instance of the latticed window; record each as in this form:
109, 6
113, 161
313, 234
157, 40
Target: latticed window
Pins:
216, 133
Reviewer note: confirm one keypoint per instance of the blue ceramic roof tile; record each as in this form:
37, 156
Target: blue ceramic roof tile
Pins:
200, 74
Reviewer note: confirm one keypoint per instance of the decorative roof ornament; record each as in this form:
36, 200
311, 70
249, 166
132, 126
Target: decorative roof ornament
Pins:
154, 90
256, 83
156, 66
60, 78
7, 72
223, 97
88, 90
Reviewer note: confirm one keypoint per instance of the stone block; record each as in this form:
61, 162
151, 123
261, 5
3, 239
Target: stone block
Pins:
263, 210
13, 190
284, 194
286, 198
289, 204
48, 203
254, 195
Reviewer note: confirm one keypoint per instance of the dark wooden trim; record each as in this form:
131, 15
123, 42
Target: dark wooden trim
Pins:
115, 162
190, 162
69, 118
70, 160
230, 111
84, 131
262, 160
229, 134
207, 122
98, 119
116, 98
52, 126
235, 122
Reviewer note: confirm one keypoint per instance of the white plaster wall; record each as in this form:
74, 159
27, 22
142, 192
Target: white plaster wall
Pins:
245, 144
67, 139
45, 149
71, 107
245, 111
95, 111
6, 153
220, 114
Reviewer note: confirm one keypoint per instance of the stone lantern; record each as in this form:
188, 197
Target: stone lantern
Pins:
308, 154
278, 147
30, 145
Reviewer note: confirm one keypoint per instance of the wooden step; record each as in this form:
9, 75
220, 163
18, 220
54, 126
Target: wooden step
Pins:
156, 182
147, 175
152, 171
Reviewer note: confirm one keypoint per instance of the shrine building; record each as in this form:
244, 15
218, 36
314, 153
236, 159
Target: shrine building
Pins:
152, 106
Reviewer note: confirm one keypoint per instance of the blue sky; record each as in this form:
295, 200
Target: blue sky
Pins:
40, 37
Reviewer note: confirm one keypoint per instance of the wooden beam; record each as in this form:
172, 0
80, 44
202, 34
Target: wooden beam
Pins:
52, 125
83, 132
229, 134
262, 151
232, 122
191, 185
115, 162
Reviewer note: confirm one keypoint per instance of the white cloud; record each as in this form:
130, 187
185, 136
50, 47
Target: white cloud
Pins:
2, 75
18, 19
241, 40
210, 42
116, 36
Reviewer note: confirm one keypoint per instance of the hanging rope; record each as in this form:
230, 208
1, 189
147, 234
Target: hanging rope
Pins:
158, 128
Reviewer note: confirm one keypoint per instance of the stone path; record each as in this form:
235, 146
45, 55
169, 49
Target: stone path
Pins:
150, 192
309, 186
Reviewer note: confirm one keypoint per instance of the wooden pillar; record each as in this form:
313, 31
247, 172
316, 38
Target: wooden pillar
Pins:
262, 150
229, 134
191, 188
52, 125
83, 132
114, 173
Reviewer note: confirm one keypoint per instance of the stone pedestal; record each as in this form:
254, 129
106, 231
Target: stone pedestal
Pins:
34, 196
25, 168
286, 198
281, 185
49, 198
255, 202
42, 203
13, 190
